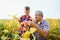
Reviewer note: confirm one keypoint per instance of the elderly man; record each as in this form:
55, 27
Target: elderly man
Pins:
41, 25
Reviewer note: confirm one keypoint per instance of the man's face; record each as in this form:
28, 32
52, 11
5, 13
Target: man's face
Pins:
38, 16
27, 12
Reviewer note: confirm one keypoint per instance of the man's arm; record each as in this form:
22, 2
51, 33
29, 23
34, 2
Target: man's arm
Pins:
41, 32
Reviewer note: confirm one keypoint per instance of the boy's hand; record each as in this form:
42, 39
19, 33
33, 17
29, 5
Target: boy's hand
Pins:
25, 25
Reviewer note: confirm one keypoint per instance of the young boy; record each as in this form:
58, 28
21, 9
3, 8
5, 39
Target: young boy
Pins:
25, 17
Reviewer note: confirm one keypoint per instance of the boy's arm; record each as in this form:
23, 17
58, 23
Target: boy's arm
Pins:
19, 20
30, 18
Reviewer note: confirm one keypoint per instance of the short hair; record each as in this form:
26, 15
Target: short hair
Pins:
27, 8
39, 12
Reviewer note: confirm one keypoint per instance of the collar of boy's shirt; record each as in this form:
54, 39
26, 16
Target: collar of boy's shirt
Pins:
27, 16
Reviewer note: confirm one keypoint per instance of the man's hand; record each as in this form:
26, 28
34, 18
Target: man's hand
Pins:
41, 32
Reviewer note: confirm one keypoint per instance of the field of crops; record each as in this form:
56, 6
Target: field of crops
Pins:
9, 29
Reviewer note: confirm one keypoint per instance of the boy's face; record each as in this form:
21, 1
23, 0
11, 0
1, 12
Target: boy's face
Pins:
27, 12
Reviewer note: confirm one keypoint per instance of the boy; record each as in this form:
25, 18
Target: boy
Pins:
25, 17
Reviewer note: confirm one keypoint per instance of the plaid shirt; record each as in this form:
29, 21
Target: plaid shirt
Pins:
23, 18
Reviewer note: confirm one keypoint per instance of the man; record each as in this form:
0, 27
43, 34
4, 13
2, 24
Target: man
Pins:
41, 25
25, 17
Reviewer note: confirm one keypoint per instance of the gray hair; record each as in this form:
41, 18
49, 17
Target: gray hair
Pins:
39, 12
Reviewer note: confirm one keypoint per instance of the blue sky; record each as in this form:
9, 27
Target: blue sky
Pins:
50, 8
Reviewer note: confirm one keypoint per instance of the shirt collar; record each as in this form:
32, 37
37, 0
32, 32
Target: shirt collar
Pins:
40, 22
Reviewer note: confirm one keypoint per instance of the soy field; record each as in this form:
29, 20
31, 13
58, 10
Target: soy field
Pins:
9, 29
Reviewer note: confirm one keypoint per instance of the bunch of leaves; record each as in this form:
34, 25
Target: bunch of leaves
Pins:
54, 33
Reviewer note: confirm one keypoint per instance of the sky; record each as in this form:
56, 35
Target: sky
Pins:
50, 8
